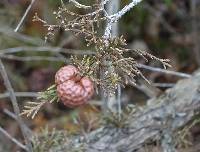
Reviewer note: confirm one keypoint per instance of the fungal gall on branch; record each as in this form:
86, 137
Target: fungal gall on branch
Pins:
72, 89
109, 65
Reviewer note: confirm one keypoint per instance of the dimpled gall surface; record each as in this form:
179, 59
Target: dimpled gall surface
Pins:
73, 92
65, 73
88, 86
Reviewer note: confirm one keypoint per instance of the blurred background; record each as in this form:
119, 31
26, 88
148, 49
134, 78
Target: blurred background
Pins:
166, 28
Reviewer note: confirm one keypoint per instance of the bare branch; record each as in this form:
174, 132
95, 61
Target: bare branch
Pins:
14, 116
164, 85
46, 49
13, 139
81, 52
34, 58
20, 94
24, 16
118, 15
21, 37
115, 17
184, 75
15, 105
77, 4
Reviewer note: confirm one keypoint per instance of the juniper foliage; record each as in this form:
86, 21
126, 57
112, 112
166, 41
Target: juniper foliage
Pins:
109, 66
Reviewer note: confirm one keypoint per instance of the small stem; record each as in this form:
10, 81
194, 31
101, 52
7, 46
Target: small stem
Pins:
184, 75
119, 101
24, 16
15, 104
3, 131
20, 94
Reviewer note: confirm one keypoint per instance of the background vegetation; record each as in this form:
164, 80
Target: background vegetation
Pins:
164, 28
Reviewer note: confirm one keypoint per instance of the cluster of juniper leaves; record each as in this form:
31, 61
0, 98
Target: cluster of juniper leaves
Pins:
116, 68
54, 140
108, 67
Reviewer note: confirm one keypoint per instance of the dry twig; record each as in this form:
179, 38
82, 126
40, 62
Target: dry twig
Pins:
13, 139
24, 16
15, 105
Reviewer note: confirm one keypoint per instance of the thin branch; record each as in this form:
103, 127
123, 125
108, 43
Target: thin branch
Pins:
77, 4
14, 116
3, 131
21, 37
15, 105
115, 17
80, 52
164, 85
118, 15
24, 16
148, 91
20, 94
34, 58
46, 49
179, 74
10, 114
